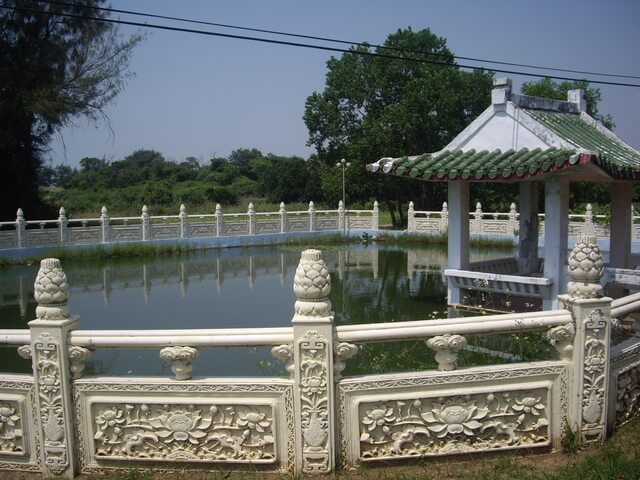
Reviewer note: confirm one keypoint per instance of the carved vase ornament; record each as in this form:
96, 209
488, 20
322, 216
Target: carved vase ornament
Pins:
181, 359
446, 347
51, 291
312, 285
585, 268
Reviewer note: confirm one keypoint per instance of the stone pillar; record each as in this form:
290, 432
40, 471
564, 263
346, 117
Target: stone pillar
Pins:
342, 225
63, 226
105, 224
444, 218
52, 370
283, 218
375, 216
145, 223
513, 219
219, 221
588, 397
312, 217
251, 216
528, 228
411, 218
458, 236
477, 219
556, 232
621, 212
184, 222
21, 229
313, 366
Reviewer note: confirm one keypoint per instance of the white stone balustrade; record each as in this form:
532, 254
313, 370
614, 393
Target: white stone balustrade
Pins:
316, 418
105, 229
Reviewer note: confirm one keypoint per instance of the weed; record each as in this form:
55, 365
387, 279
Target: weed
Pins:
570, 442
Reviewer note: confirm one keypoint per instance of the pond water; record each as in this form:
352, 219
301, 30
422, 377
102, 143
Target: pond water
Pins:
232, 288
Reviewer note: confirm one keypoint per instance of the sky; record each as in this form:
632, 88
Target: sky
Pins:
205, 96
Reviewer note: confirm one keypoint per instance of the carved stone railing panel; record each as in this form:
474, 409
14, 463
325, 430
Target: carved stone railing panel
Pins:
135, 423
202, 229
327, 223
624, 388
43, 238
85, 235
236, 228
19, 441
407, 416
121, 233
427, 224
359, 222
297, 224
268, 226
8, 240
165, 231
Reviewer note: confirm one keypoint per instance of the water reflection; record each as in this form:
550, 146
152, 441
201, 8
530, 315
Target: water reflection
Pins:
228, 288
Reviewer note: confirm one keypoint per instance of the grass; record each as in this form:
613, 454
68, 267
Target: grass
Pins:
418, 239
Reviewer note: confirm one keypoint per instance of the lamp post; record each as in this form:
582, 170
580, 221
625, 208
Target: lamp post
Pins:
344, 164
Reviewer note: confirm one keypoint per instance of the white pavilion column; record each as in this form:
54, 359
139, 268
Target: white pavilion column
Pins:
620, 238
556, 232
528, 227
458, 235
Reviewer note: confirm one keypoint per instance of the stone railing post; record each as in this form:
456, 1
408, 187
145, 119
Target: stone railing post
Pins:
63, 226
21, 229
411, 218
591, 311
145, 223
52, 370
588, 226
444, 218
312, 217
283, 218
219, 221
342, 225
375, 216
105, 224
313, 366
184, 222
251, 218
476, 225
513, 219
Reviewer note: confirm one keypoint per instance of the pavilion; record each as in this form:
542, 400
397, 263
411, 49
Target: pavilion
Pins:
527, 140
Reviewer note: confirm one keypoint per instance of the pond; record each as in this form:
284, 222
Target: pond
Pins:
250, 287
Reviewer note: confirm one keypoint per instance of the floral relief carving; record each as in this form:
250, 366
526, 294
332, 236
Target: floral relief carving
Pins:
342, 351
226, 433
455, 424
50, 399
11, 433
628, 394
594, 378
561, 338
314, 351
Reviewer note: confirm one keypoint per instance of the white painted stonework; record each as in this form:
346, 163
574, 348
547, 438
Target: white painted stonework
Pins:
58, 422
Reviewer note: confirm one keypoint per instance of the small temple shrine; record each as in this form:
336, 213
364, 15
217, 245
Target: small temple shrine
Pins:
527, 140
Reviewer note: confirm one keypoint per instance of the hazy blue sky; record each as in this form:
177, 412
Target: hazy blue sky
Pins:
205, 96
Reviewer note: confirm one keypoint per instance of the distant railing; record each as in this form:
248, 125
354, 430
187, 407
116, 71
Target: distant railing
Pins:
506, 223
105, 229
58, 421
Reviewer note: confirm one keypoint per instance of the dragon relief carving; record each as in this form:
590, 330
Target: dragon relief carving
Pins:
455, 424
11, 433
628, 394
219, 433
314, 402
50, 398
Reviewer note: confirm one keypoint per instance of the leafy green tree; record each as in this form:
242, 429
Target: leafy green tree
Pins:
242, 158
548, 88
53, 69
373, 107
281, 179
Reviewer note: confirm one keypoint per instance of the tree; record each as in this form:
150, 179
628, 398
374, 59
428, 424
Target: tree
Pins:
373, 107
54, 68
547, 88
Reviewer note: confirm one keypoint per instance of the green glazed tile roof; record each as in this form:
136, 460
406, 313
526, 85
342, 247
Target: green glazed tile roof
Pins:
612, 153
591, 146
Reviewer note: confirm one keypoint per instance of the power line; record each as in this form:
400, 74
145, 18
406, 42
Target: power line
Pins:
343, 42
307, 45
